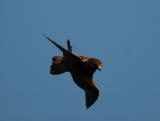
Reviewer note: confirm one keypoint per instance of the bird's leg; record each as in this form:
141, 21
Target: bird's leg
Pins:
69, 46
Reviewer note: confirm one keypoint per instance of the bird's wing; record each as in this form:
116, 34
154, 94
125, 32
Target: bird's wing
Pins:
65, 52
91, 93
88, 85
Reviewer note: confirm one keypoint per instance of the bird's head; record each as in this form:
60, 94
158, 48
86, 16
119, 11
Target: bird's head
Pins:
95, 63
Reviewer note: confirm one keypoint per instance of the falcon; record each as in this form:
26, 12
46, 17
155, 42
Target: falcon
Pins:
81, 69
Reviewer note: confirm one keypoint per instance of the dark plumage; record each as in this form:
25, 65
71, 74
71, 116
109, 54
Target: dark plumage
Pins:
81, 68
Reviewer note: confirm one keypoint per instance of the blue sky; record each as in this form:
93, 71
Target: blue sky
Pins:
124, 34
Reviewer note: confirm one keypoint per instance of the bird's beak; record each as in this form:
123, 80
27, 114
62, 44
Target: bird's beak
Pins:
99, 68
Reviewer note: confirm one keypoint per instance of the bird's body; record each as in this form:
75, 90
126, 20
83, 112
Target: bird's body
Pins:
81, 69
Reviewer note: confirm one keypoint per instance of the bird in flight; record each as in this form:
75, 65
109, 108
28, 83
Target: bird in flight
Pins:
81, 68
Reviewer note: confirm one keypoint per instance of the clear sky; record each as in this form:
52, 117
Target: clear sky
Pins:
124, 34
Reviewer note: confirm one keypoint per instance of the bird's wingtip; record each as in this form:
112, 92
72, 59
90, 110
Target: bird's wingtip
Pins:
91, 97
43, 34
